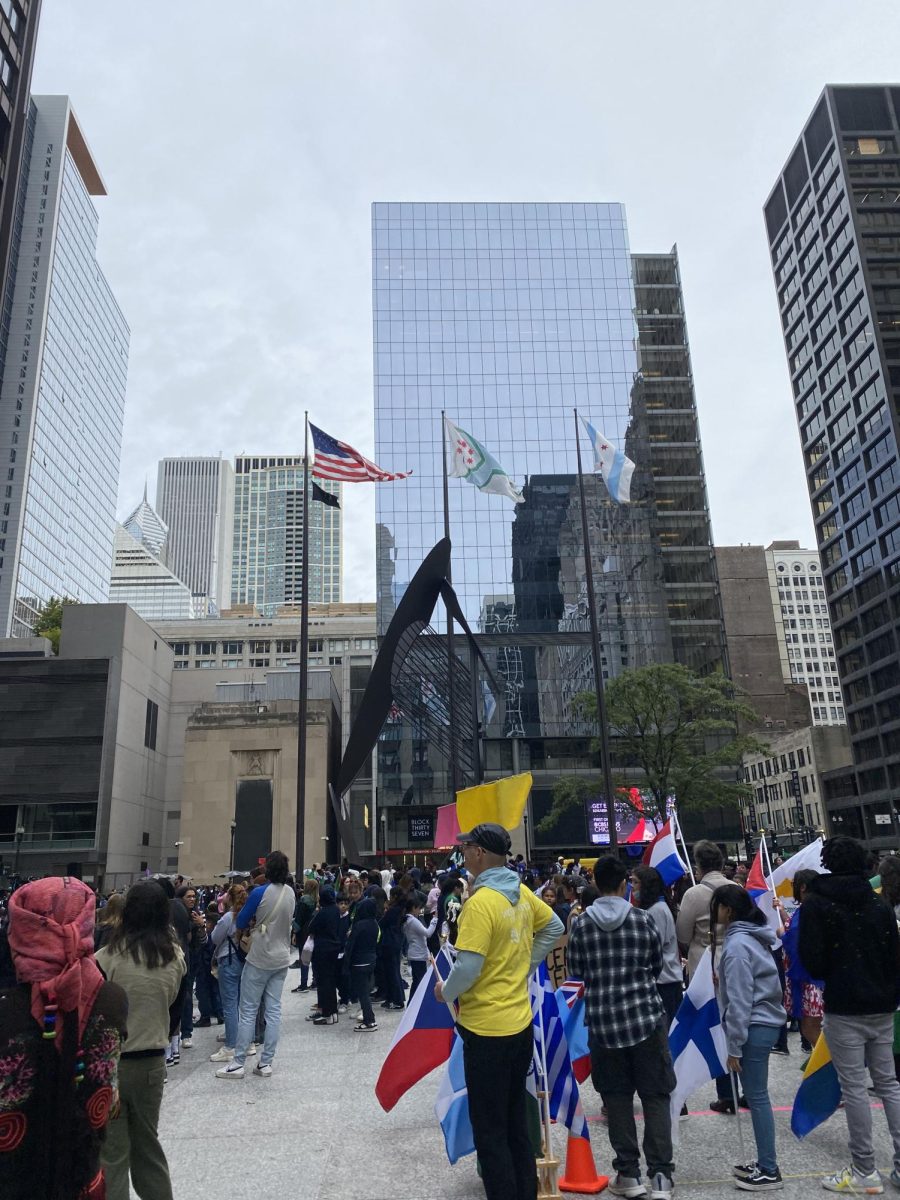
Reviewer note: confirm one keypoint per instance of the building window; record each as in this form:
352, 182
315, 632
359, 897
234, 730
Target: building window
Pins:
205, 664
232, 647
204, 648
145, 838
259, 647
181, 648
286, 646
150, 723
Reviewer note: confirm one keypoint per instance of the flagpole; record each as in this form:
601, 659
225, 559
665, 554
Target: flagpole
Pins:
299, 847
679, 836
451, 698
598, 663
765, 855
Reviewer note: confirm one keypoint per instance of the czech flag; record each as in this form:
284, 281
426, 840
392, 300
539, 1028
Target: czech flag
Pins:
819, 1093
662, 853
422, 1042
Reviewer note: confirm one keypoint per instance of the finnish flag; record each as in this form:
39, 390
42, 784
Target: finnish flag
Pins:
697, 1039
612, 464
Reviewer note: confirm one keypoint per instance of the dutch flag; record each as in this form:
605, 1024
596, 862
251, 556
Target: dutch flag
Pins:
662, 853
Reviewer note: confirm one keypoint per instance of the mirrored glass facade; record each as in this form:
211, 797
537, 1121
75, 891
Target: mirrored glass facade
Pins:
63, 392
833, 222
509, 317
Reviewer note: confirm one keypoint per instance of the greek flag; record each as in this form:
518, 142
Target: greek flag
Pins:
697, 1039
612, 465
562, 1087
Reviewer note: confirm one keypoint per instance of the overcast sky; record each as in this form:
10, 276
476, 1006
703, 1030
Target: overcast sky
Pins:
242, 145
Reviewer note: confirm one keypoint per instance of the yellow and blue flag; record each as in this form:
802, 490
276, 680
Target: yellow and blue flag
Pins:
819, 1093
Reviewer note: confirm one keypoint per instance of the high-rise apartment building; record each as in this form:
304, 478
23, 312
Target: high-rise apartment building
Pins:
18, 34
508, 317
195, 500
63, 391
268, 532
833, 223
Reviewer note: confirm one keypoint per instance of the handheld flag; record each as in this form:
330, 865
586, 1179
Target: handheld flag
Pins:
570, 998
451, 1106
757, 883
662, 853
782, 878
323, 497
422, 1041
502, 802
469, 460
819, 1093
615, 469
337, 460
697, 1039
561, 1085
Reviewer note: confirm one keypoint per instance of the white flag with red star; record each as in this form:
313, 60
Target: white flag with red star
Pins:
468, 459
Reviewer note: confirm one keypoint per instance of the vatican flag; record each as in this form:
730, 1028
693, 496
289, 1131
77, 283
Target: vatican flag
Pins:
502, 801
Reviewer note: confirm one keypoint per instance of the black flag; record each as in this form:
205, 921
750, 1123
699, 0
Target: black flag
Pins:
319, 493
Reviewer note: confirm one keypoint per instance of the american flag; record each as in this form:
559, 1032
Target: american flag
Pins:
337, 460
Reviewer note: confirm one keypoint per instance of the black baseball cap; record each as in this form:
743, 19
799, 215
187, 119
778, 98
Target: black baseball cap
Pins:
488, 836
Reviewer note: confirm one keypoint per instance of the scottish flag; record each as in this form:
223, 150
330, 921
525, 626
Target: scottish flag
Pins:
697, 1039
612, 465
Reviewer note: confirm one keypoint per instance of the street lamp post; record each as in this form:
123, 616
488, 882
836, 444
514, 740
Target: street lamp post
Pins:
384, 834
20, 833
231, 851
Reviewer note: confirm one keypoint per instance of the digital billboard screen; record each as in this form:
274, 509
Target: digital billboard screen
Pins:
632, 826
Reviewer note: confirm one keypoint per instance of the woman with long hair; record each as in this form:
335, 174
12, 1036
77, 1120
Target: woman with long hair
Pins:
749, 994
145, 959
230, 966
650, 895
107, 919
61, 1029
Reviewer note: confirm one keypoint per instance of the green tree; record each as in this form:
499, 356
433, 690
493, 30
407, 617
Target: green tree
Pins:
48, 622
675, 731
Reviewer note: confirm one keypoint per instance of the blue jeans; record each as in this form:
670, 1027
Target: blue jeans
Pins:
229, 990
256, 985
755, 1077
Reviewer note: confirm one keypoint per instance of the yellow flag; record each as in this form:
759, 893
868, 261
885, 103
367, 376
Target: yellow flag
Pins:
502, 802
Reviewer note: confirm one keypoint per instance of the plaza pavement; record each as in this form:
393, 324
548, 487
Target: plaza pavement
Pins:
316, 1132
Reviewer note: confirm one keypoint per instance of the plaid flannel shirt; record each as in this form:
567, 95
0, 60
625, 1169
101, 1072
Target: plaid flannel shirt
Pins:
619, 968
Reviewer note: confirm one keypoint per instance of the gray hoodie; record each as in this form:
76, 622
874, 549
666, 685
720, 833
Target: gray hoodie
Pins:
609, 912
748, 986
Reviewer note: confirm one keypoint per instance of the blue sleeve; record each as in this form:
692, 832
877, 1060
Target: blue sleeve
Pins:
248, 912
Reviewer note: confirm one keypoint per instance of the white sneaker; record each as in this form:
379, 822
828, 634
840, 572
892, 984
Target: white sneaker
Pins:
230, 1072
342, 1008
220, 1037
264, 1071
251, 1050
186, 1043
223, 1055
359, 1017
849, 1180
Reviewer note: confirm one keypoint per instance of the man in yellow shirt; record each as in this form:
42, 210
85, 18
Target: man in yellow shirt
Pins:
505, 931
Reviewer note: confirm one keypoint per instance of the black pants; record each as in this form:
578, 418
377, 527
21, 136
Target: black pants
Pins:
418, 969
325, 965
646, 1069
671, 995
496, 1069
361, 982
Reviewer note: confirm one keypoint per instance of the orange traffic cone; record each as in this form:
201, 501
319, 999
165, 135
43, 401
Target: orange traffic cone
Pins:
581, 1174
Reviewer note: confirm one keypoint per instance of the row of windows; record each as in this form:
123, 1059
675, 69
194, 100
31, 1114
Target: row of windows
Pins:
281, 646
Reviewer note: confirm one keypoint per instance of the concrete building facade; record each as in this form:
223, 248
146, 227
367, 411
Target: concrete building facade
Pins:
62, 397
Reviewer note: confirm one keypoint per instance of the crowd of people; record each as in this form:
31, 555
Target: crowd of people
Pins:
102, 992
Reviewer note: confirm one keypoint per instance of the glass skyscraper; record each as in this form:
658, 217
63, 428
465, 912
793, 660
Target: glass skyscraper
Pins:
266, 564
833, 223
63, 392
508, 317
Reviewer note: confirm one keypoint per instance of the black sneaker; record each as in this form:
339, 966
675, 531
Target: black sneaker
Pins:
760, 1181
722, 1106
744, 1170
203, 1023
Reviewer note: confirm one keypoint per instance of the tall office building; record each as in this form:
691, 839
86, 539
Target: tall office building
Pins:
508, 317
833, 223
63, 391
18, 34
268, 531
146, 526
195, 500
